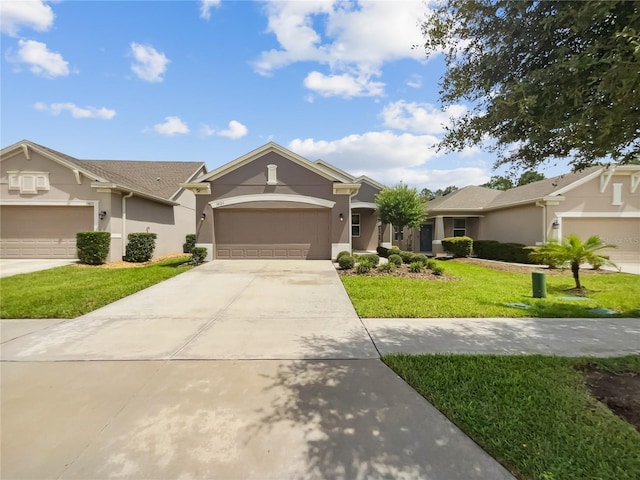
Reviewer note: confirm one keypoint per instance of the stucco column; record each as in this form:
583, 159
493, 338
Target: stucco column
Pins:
438, 235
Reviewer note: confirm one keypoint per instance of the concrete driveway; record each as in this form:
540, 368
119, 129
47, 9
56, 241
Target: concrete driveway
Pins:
11, 266
250, 370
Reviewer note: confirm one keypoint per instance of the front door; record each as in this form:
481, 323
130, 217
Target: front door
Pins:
426, 237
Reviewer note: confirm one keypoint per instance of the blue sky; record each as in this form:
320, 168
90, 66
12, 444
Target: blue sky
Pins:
212, 80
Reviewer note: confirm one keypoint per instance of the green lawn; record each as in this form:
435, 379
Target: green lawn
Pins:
482, 292
532, 413
67, 292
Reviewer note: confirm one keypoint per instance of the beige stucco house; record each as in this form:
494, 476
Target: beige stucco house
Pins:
602, 201
273, 203
46, 197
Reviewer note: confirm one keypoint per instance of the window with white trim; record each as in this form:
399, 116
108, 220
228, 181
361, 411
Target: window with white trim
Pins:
29, 182
355, 224
459, 227
617, 194
272, 178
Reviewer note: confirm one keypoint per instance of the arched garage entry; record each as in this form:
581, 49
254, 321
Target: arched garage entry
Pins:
275, 226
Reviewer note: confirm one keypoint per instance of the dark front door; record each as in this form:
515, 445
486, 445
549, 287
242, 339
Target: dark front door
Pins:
426, 237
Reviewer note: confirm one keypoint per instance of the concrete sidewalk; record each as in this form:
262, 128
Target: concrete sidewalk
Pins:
10, 266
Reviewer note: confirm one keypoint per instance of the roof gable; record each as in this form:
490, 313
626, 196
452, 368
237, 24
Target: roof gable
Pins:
260, 152
471, 197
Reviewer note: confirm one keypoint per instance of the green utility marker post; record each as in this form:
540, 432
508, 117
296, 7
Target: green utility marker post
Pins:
539, 282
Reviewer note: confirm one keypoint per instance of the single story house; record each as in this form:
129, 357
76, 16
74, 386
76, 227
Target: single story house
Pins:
273, 203
46, 197
601, 200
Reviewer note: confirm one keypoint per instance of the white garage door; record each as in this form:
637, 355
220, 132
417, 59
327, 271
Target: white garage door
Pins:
287, 233
623, 232
42, 232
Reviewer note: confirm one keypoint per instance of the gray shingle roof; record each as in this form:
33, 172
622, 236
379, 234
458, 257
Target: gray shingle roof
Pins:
471, 197
159, 179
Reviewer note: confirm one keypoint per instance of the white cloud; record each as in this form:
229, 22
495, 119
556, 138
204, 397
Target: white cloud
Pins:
171, 126
236, 130
344, 85
150, 65
206, 6
420, 117
357, 37
16, 14
415, 81
42, 61
101, 113
206, 131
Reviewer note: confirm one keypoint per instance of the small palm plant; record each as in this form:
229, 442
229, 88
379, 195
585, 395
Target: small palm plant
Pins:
574, 252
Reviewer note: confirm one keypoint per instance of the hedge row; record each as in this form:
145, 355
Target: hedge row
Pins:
504, 252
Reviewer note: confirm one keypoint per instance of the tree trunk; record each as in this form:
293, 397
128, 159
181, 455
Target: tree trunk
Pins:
575, 268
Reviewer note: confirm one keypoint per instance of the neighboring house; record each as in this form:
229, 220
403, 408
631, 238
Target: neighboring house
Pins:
273, 203
46, 197
602, 201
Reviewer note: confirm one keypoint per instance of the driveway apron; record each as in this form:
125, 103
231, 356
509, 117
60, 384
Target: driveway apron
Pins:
243, 370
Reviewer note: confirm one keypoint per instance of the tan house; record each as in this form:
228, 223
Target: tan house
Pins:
273, 203
602, 201
46, 197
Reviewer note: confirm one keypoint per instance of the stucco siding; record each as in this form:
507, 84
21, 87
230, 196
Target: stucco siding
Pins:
368, 239
367, 193
518, 224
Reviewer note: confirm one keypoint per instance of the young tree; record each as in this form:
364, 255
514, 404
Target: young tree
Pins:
428, 194
498, 182
546, 79
401, 206
574, 252
529, 177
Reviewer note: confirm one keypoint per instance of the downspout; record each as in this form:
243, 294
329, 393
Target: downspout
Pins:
124, 223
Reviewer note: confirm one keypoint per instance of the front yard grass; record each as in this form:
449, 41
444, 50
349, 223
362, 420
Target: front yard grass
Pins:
534, 414
71, 291
478, 291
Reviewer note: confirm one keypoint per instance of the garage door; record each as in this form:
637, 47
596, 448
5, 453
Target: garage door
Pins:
42, 232
623, 232
286, 233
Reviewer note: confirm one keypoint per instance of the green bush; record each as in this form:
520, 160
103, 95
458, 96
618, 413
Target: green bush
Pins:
437, 270
93, 247
541, 258
363, 267
371, 258
504, 252
198, 254
395, 259
387, 267
140, 247
458, 246
343, 254
190, 243
406, 256
383, 251
431, 264
346, 262
420, 257
416, 267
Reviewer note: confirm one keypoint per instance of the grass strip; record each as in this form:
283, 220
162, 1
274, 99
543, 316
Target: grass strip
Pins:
533, 414
71, 291
478, 291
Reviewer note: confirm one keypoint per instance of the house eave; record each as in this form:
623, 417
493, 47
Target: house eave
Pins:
107, 187
199, 188
346, 188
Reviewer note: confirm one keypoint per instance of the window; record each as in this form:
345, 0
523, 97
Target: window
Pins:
459, 227
617, 194
355, 224
29, 182
399, 233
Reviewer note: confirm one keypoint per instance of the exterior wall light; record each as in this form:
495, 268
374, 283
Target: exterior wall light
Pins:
102, 215
555, 225
203, 216
341, 217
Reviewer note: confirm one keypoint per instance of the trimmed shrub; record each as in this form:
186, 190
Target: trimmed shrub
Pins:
387, 267
406, 256
190, 243
395, 259
505, 252
458, 246
342, 254
140, 247
420, 257
416, 267
383, 251
371, 258
93, 247
487, 249
198, 254
346, 262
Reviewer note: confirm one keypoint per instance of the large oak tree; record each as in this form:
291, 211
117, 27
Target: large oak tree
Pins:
547, 79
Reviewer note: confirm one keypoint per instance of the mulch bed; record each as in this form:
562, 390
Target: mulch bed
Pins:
123, 264
401, 271
619, 392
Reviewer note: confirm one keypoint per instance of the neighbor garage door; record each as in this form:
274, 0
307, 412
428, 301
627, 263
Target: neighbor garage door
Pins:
42, 232
286, 233
623, 232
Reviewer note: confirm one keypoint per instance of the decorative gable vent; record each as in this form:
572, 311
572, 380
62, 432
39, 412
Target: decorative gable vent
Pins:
272, 178
29, 182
